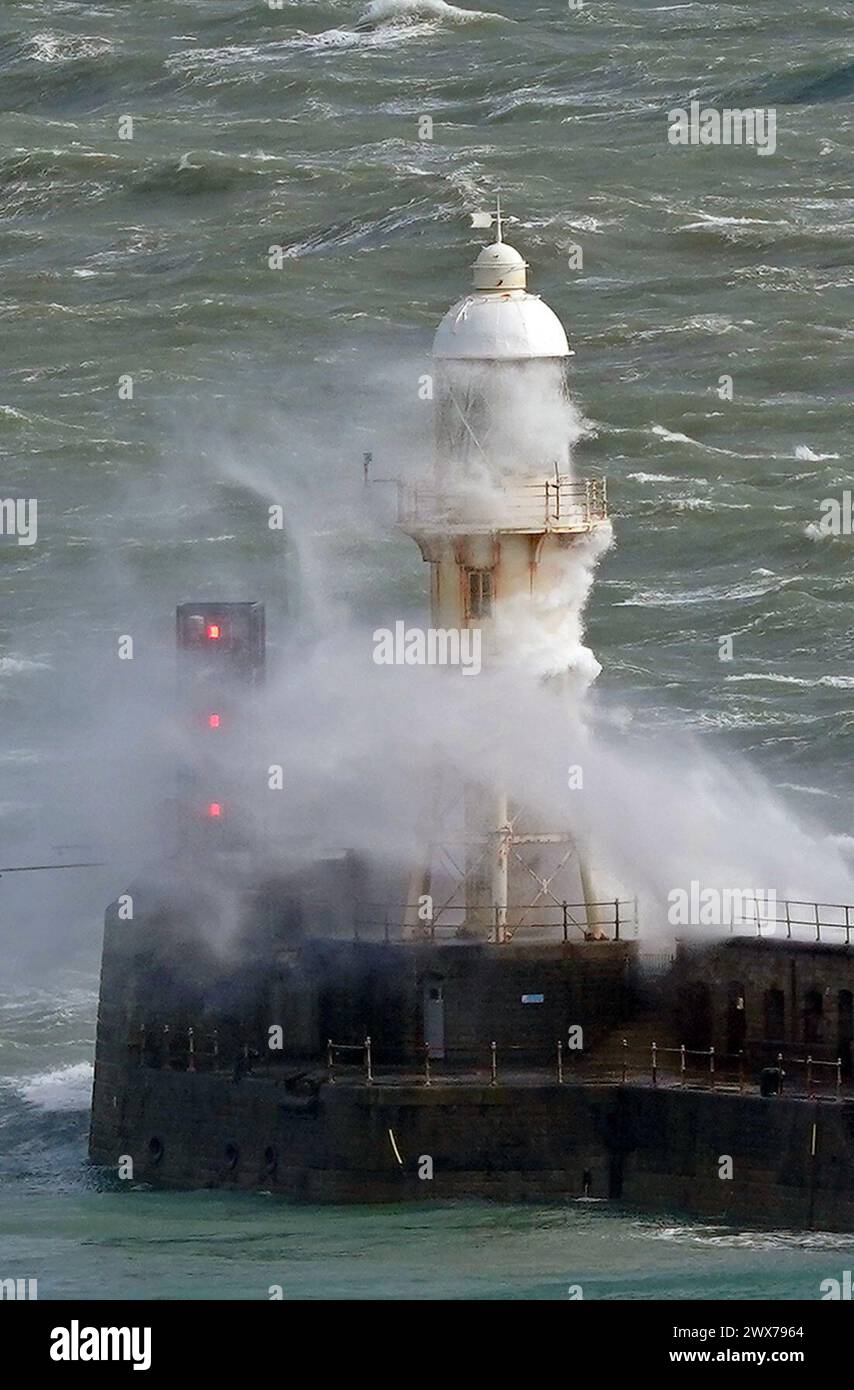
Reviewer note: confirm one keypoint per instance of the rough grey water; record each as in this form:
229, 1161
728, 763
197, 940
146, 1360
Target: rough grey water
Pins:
148, 257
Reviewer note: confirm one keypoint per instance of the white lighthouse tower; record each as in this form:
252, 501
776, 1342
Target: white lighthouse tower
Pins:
497, 521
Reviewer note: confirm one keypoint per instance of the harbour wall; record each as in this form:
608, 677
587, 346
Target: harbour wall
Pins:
658, 1149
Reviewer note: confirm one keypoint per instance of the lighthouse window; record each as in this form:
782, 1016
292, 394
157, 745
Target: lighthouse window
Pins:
479, 594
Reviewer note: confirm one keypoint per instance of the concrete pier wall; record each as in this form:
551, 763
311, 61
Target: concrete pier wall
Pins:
655, 1149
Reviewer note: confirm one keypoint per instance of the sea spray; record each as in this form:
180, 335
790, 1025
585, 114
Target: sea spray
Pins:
511, 419
389, 11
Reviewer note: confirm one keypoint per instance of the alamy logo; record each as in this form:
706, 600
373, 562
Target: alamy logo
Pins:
837, 1289
76, 1343
19, 516
729, 126
19, 1288
695, 906
437, 646
837, 515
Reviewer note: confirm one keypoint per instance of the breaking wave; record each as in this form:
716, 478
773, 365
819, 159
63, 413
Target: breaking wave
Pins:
64, 1088
382, 11
65, 48
808, 86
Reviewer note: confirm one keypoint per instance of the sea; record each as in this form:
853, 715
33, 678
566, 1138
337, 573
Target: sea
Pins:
228, 229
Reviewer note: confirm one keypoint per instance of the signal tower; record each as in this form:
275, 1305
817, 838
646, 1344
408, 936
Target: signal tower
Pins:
221, 651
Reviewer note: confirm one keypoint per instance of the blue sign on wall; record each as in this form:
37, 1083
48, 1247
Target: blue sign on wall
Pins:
533, 998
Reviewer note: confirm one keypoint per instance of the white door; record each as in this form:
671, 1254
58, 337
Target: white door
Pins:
434, 1016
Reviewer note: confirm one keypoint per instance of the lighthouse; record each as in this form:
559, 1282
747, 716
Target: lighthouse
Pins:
502, 521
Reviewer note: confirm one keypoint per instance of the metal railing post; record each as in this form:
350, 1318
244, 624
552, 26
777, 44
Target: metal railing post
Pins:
682, 1064
565, 922
839, 1078
330, 1061
712, 1065
809, 1076
625, 1059
779, 1073
654, 1065
191, 1047
559, 1062
427, 1080
493, 1048
616, 919
369, 1075
216, 1046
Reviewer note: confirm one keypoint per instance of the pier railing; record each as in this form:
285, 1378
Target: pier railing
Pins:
708, 1069
550, 504
617, 918
797, 919
367, 1063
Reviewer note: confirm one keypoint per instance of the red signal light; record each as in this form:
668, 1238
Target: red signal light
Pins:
214, 810
214, 632
213, 721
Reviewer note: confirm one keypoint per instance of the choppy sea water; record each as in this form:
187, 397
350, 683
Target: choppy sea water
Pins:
300, 127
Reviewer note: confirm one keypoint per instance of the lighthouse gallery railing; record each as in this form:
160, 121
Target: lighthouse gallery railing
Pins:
561, 503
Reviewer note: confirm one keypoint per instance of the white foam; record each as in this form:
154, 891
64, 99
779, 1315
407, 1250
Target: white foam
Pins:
65, 1088
805, 453
382, 10
18, 665
777, 678
63, 48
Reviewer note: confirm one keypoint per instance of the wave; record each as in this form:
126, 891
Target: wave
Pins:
727, 1237
661, 598
806, 455
19, 665
674, 437
662, 478
381, 11
184, 178
357, 232
384, 24
65, 48
840, 840
809, 86
816, 533
776, 678
244, 63
64, 1088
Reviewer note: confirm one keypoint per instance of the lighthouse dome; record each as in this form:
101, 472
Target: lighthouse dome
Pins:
500, 267
506, 326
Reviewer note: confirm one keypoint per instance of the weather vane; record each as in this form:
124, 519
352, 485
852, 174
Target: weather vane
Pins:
490, 219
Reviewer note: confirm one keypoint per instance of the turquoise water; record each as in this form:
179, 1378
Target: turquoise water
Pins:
148, 256
209, 1246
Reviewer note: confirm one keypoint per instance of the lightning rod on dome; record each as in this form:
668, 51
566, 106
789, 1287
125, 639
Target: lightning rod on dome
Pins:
490, 219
